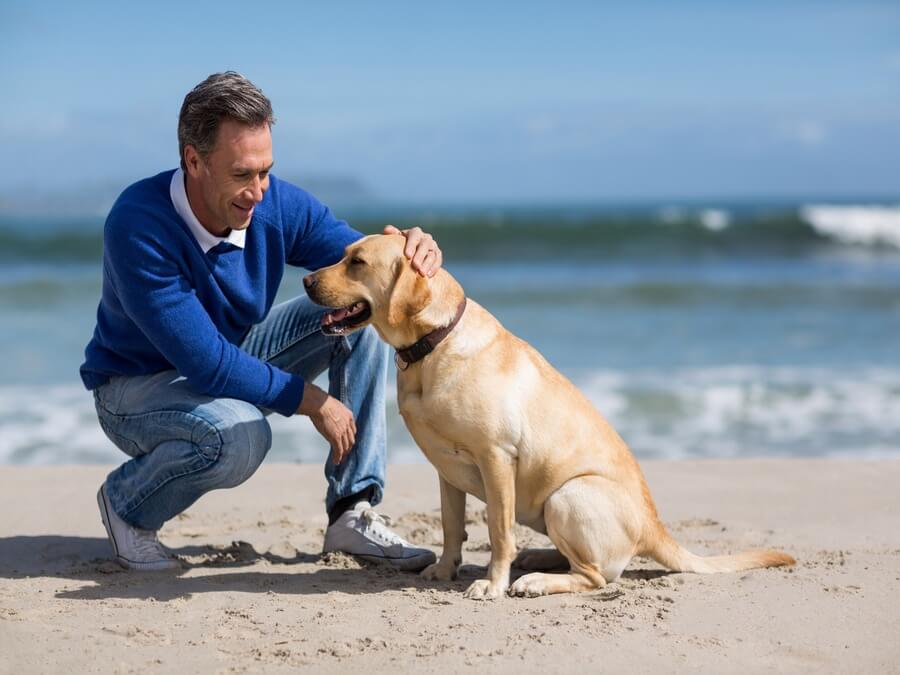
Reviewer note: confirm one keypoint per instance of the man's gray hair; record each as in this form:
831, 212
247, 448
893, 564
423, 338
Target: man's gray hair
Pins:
220, 96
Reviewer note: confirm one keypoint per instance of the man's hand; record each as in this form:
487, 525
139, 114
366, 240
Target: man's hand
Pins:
331, 418
421, 249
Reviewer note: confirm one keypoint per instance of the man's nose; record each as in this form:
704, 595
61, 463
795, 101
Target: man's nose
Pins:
256, 190
309, 281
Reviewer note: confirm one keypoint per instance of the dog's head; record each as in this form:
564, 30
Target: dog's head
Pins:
373, 283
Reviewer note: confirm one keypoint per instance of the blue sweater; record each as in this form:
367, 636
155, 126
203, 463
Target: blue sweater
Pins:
167, 305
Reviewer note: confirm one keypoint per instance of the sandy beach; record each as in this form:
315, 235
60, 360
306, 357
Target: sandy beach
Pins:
258, 596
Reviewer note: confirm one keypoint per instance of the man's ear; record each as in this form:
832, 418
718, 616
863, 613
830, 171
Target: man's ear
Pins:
191, 160
410, 296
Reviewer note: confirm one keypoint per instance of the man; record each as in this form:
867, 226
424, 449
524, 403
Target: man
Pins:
187, 359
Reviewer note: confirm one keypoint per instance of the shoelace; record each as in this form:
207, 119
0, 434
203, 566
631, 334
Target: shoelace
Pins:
380, 527
147, 543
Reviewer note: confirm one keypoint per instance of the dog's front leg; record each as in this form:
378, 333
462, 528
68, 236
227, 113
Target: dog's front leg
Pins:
453, 522
498, 473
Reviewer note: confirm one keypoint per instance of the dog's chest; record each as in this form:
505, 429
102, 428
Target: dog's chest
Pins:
428, 426
450, 457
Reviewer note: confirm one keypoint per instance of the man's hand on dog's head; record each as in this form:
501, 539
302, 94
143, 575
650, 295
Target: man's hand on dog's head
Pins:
331, 418
421, 249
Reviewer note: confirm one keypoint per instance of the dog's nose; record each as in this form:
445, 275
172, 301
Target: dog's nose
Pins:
309, 281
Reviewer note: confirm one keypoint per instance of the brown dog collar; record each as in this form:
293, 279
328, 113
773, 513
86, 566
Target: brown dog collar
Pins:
423, 347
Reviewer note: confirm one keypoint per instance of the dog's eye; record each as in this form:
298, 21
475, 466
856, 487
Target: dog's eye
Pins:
357, 261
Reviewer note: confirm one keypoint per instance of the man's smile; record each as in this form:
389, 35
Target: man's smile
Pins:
245, 211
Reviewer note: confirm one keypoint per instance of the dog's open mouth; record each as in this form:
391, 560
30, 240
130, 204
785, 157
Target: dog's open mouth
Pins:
344, 319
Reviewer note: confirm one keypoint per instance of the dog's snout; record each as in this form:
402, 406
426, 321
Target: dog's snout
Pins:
310, 281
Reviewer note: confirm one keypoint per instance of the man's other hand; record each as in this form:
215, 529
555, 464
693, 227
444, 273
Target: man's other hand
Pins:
421, 249
331, 418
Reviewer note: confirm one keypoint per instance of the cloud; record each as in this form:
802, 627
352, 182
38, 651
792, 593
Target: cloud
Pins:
805, 132
38, 126
540, 125
892, 61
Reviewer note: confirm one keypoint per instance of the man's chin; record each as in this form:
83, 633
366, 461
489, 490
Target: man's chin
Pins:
238, 223
240, 219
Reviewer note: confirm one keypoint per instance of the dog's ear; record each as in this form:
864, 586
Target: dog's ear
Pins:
410, 296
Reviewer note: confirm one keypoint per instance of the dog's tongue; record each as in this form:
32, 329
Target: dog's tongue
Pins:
342, 313
336, 315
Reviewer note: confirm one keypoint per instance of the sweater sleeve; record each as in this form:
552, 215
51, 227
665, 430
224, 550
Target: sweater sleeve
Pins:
157, 296
320, 237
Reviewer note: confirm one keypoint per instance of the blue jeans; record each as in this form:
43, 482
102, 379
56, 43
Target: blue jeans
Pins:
184, 444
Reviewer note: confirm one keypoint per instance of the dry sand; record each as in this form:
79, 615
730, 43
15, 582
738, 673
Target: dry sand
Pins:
257, 596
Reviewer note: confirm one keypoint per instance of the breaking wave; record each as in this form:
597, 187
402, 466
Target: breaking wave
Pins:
745, 411
856, 225
565, 231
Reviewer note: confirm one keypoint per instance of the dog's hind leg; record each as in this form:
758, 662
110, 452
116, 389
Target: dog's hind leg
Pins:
539, 583
592, 524
540, 560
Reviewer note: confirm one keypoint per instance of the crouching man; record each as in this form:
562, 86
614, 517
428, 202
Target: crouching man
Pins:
189, 356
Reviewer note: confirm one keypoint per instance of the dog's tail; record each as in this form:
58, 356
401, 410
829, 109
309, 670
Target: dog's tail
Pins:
666, 551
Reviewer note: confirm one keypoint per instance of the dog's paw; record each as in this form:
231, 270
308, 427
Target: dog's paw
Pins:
483, 589
438, 572
529, 586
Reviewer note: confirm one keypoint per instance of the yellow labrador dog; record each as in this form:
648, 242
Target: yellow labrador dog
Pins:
499, 422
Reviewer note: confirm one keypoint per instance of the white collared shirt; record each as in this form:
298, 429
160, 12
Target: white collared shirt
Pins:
204, 237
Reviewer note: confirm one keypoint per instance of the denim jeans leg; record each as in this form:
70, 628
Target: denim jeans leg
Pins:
291, 338
358, 377
182, 445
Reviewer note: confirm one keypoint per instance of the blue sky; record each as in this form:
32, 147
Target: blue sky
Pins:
456, 102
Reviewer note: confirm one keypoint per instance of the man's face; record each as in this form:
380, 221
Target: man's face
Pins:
232, 179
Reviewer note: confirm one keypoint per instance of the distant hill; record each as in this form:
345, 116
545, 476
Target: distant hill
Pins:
95, 199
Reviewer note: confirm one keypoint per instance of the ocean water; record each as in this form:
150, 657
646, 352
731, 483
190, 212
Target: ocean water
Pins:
698, 331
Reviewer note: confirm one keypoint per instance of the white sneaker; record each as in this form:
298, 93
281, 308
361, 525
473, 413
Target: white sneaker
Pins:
363, 533
134, 548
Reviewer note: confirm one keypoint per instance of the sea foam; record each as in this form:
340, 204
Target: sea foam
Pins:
859, 225
734, 411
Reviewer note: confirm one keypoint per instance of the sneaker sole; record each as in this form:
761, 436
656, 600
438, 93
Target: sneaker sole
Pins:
415, 564
162, 566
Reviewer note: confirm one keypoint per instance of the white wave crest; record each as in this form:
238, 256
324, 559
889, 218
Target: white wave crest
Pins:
715, 220
860, 225
51, 425
58, 425
742, 411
